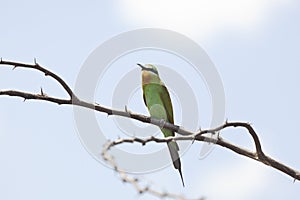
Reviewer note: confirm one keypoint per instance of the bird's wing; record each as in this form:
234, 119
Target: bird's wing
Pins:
144, 97
165, 97
173, 146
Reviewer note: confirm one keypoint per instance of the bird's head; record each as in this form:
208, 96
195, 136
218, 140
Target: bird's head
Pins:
149, 68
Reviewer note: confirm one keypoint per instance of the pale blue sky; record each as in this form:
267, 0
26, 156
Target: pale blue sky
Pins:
255, 50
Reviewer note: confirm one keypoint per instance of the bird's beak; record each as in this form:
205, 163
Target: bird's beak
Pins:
141, 66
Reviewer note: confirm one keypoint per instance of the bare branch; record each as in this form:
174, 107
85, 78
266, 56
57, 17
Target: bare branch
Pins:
38, 67
28, 96
74, 100
135, 182
258, 155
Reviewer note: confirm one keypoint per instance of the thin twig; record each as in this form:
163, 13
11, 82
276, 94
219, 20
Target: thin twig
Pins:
41, 69
135, 182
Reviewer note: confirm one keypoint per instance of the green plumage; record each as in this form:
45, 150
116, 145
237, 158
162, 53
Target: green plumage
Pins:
158, 101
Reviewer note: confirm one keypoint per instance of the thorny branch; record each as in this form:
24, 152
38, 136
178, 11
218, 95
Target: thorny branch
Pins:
135, 182
257, 155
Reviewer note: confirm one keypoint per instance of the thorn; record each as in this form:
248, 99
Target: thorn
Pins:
42, 92
116, 168
15, 66
1, 59
127, 110
36, 64
199, 130
105, 158
146, 188
218, 136
24, 99
193, 140
163, 195
141, 191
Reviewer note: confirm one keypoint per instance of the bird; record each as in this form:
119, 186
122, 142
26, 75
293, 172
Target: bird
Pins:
157, 99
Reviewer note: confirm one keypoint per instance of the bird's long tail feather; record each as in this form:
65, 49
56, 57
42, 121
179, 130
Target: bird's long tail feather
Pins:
173, 148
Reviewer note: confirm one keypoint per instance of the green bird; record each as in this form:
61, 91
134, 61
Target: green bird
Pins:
158, 101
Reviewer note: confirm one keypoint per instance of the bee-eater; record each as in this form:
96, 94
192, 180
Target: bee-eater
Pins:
158, 101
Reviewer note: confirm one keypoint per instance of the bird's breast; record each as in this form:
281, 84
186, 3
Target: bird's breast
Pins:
146, 78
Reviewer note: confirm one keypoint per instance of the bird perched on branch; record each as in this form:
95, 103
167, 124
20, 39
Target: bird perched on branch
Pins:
158, 101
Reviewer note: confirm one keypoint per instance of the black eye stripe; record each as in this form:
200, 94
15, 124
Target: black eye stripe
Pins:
148, 69
152, 70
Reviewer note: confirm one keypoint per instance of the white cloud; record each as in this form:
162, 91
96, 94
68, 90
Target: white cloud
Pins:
196, 17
